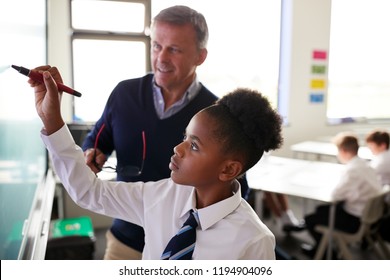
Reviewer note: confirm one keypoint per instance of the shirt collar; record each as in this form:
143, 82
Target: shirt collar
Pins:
189, 94
193, 89
190, 203
212, 214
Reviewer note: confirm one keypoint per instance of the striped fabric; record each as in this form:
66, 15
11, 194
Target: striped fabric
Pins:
182, 245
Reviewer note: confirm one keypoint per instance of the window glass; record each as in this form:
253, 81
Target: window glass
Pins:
99, 65
359, 58
108, 15
109, 45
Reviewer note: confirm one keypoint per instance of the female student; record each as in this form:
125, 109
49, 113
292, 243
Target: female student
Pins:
220, 144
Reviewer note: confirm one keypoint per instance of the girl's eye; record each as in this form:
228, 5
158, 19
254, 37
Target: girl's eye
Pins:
194, 146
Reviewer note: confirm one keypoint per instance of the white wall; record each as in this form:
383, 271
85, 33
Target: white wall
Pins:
59, 48
310, 25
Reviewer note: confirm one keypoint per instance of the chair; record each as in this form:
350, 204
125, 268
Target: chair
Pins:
369, 231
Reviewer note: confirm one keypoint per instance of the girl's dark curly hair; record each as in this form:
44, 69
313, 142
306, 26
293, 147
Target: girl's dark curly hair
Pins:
247, 125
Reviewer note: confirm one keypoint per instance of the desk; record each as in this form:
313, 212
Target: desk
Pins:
301, 178
320, 149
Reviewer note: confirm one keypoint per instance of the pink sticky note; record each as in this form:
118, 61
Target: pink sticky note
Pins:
319, 54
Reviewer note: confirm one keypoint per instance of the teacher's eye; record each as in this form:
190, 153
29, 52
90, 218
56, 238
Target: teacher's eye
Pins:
156, 47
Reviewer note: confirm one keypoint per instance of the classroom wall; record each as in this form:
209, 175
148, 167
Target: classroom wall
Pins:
310, 29
59, 48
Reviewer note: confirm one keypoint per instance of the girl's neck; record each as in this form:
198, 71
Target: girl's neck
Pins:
211, 195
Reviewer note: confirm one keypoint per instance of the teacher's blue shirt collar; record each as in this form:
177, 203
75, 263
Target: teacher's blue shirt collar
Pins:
159, 103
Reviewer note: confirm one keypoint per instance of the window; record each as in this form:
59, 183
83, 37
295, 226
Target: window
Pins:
243, 48
359, 57
109, 45
23, 43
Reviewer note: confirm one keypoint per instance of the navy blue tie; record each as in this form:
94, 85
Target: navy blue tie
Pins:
182, 245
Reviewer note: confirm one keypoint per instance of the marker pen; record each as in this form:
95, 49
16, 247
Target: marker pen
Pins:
37, 76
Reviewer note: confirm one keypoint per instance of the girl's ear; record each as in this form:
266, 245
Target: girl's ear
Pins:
232, 169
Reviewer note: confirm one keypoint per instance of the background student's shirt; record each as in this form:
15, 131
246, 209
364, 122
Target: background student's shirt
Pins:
357, 183
381, 164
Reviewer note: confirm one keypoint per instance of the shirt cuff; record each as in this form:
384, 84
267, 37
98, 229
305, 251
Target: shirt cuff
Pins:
59, 140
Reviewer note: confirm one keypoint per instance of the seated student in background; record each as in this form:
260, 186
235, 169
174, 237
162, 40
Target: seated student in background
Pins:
378, 142
358, 182
220, 144
278, 204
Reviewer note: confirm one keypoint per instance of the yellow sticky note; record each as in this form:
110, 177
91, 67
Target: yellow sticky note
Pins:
318, 83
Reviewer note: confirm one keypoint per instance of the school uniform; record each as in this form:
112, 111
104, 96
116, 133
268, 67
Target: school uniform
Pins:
381, 165
229, 229
357, 184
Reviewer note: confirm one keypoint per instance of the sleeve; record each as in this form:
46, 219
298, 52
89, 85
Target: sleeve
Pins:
115, 199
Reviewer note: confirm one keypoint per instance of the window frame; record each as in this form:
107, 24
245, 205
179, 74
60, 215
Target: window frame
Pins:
85, 34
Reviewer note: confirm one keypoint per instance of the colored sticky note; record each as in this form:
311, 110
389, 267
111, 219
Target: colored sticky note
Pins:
319, 54
318, 69
317, 84
317, 97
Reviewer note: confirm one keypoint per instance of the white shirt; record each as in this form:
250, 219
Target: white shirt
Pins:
357, 183
381, 164
229, 229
